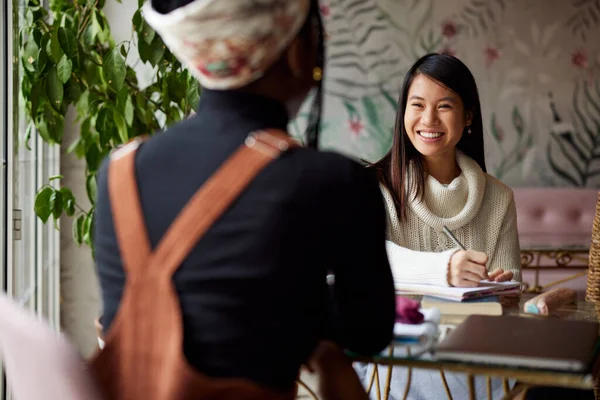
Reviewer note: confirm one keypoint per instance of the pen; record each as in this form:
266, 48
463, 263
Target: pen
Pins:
454, 239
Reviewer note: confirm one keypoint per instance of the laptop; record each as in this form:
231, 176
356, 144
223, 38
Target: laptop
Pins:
546, 343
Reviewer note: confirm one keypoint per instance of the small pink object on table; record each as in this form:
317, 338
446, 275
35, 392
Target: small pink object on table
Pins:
407, 311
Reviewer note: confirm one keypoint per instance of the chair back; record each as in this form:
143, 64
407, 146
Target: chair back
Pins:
39, 362
592, 292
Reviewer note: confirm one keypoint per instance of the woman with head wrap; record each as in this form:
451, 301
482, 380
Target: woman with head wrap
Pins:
252, 293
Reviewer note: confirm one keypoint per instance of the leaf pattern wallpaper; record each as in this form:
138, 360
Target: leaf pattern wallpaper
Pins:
536, 63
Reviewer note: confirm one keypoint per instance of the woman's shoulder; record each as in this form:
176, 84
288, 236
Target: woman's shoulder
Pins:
497, 189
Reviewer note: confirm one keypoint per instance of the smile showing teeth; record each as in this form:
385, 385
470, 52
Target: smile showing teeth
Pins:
430, 135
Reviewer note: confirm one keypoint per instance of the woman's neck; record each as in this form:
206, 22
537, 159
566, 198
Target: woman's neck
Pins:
444, 169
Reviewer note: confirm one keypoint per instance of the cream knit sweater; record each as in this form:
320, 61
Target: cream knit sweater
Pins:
478, 209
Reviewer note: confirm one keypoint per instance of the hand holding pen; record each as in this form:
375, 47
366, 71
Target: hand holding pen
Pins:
468, 267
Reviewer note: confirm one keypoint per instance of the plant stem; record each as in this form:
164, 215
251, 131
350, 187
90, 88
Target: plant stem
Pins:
86, 20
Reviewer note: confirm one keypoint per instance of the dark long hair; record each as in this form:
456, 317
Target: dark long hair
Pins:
313, 126
393, 167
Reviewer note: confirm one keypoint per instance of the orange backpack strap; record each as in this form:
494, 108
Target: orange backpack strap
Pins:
128, 218
199, 214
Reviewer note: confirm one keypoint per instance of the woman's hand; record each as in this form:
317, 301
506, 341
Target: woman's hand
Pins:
499, 275
467, 268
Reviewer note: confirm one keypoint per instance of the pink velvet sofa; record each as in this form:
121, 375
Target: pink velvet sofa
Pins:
555, 218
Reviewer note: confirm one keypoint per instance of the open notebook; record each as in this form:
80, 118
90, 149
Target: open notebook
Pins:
485, 288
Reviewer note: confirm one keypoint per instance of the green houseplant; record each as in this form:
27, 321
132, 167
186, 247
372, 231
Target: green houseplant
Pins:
69, 59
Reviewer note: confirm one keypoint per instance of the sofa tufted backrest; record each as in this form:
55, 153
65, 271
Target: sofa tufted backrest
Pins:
555, 216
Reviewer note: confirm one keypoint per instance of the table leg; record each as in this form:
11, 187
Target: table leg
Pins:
372, 380
388, 381
446, 387
489, 387
408, 378
505, 385
377, 384
471, 384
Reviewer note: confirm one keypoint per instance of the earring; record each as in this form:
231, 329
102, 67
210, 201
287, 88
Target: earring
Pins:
469, 130
317, 74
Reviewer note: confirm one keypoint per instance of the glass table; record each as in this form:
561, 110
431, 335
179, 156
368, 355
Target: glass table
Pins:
415, 357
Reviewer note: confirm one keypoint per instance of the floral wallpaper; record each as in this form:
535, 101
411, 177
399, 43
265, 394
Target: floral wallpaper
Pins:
536, 63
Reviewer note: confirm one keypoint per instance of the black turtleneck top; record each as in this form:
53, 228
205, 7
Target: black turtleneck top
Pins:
253, 292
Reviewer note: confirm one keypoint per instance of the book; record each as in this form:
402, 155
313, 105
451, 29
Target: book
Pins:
462, 308
485, 288
547, 343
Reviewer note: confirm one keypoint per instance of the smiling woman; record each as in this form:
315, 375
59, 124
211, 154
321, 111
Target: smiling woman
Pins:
434, 177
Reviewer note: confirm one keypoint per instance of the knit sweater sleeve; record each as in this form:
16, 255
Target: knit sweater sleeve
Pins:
508, 253
424, 267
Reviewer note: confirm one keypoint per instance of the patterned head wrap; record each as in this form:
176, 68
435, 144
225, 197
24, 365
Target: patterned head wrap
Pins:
228, 44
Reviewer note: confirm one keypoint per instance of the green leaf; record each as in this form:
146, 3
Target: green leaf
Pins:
68, 44
146, 33
193, 95
105, 125
128, 112
34, 97
30, 53
37, 35
42, 203
63, 69
69, 207
56, 204
72, 91
92, 74
54, 124
26, 86
78, 147
53, 48
121, 99
91, 188
141, 107
114, 69
42, 128
153, 52
68, 201
88, 229
54, 89
42, 60
28, 135
55, 177
93, 30
88, 134
121, 127
83, 105
137, 20
95, 104
92, 157
78, 225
